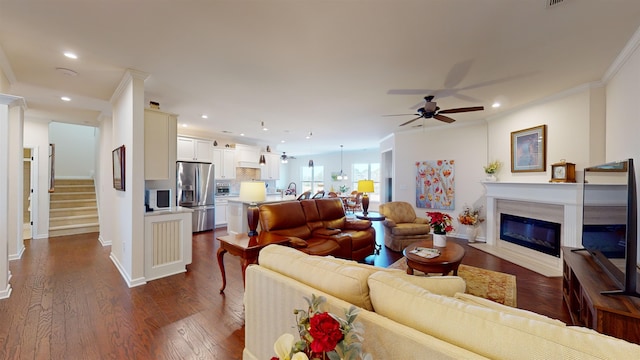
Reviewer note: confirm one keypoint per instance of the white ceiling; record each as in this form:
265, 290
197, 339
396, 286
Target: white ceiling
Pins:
331, 67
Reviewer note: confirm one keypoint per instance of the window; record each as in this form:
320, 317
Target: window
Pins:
367, 172
312, 179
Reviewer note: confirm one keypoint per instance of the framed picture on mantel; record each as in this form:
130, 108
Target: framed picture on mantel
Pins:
529, 149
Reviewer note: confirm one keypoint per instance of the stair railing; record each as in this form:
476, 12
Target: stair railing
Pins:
52, 167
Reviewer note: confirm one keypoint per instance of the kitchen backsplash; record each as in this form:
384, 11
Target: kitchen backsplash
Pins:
249, 174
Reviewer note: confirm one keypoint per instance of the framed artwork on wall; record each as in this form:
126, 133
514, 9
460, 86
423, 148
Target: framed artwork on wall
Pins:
529, 149
117, 156
435, 184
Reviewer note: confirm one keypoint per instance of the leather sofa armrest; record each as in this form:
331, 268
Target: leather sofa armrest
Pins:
421, 221
296, 242
389, 223
357, 224
325, 232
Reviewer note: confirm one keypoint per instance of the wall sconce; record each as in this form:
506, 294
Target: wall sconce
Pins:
252, 192
365, 186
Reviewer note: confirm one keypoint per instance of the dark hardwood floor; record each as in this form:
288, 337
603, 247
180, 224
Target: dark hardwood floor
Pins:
70, 302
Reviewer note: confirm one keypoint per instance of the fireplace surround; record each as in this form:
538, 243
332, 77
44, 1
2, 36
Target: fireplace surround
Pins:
559, 203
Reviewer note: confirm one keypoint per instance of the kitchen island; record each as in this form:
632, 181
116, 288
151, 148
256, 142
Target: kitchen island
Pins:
237, 212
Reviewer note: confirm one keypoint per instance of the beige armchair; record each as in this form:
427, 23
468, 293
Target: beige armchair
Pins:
401, 226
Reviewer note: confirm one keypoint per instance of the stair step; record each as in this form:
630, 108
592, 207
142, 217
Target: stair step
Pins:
73, 231
58, 204
59, 182
91, 219
73, 188
73, 211
72, 196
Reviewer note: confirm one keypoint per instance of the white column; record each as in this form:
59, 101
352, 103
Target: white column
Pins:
6, 101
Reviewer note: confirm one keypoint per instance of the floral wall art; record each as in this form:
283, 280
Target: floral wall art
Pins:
435, 184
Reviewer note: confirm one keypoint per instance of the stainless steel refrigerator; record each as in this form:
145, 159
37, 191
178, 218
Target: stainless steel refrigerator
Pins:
196, 190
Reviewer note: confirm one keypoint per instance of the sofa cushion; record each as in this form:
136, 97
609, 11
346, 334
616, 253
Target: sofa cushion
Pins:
410, 229
475, 300
284, 218
488, 332
340, 279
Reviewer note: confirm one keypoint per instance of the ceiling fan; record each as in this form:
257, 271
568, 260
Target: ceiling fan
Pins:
284, 158
431, 110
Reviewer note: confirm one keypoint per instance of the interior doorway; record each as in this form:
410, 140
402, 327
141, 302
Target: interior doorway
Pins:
27, 193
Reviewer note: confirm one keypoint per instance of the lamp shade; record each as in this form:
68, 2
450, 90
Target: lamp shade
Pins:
365, 186
252, 191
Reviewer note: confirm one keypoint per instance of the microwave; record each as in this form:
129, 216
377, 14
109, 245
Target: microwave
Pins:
158, 199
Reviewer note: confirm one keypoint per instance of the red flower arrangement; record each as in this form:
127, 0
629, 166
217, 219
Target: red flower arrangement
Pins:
440, 222
322, 336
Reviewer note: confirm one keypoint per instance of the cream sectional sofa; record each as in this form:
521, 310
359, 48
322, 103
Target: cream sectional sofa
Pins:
407, 317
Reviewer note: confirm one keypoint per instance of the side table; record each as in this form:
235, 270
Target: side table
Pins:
372, 216
247, 247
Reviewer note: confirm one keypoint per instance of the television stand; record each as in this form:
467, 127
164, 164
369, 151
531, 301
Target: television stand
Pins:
582, 285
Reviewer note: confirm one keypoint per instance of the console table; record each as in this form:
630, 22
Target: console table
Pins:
583, 280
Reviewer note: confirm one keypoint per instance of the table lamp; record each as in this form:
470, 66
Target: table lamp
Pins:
252, 192
365, 186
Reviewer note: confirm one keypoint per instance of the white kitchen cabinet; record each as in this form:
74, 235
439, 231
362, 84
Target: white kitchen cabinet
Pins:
224, 161
247, 155
159, 145
192, 149
271, 170
221, 212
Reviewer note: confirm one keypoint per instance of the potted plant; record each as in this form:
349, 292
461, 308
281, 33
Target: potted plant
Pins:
491, 169
470, 217
441, 224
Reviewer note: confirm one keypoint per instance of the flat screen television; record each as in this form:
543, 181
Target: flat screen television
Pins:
609, 223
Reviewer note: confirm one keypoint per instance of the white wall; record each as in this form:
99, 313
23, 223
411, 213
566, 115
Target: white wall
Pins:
568, 120
36, 135
104, 183
127, 244
75, 149
466, 145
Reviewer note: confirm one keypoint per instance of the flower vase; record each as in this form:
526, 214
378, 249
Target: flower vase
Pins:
472, 233
491, 177
440, 240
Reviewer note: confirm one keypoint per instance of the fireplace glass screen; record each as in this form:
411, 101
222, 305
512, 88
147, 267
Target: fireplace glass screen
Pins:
539, 235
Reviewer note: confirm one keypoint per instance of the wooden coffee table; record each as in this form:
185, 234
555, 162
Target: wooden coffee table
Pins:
448, 260
247, 247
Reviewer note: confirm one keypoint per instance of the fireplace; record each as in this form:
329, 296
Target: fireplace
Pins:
539, 235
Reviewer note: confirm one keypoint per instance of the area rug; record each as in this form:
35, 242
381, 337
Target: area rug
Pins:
492, 285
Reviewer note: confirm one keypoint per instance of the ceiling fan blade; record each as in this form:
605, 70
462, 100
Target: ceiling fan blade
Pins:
400, 115
410, 121
443, 118
464, 109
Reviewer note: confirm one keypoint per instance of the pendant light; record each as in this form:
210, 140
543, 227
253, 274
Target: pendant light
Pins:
310, 160
341, 176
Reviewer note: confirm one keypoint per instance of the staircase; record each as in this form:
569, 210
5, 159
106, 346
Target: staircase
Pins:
73, 208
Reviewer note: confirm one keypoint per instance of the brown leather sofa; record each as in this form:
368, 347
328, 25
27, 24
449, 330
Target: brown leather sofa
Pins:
319, 227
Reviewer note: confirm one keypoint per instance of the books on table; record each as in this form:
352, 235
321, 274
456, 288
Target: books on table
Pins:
424, 252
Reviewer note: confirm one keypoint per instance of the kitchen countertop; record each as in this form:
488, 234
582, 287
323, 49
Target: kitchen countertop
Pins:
270, 198
173, 210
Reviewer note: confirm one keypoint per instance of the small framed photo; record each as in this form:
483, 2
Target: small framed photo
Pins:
529, 149
118, 168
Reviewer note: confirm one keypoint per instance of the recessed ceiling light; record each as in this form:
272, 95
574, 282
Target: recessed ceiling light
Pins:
495, 105
282, 141
65, 98
184, 125
70, 55
242, 134
205, 116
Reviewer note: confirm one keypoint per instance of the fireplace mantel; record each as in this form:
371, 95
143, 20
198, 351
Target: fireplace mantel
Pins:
566, 195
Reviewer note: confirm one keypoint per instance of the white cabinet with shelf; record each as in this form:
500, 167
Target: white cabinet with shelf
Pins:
159, 145
224, 161
191, 149
271, 170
